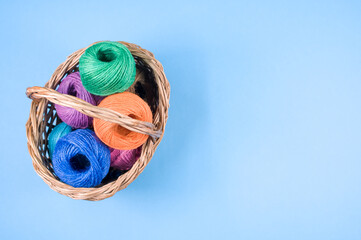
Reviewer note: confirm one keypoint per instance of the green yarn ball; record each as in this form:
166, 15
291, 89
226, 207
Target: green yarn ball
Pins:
107, 68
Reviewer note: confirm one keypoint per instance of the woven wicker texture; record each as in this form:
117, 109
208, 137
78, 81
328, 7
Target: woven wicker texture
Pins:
43, 119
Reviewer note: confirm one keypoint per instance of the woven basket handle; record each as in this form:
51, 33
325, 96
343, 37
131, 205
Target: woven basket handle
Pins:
93, 111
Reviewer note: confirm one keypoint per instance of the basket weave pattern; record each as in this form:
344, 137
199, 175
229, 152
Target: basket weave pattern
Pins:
43, 119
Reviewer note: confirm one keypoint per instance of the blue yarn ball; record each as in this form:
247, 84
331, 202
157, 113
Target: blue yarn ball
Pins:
59, 131
80, 159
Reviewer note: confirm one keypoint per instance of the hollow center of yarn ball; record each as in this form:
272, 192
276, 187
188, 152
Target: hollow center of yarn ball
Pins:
122, 130
79, 162
133, 116
72, 92
106, 55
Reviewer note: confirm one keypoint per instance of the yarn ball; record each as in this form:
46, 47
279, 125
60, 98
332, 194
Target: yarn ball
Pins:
72, 85
107, 68
113, 134
80, 159
124, 159
58, 131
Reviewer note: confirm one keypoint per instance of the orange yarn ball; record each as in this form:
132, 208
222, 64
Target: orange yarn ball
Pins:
113, 134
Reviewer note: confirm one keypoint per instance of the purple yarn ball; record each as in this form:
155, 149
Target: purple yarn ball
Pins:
72, 85
124, 159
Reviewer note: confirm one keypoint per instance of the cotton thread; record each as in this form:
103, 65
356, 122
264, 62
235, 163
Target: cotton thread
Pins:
124, 159
113, 134
107, 68
72, 85
80, 159
58, 131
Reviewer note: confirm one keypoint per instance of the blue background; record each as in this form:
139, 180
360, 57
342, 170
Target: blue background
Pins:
264, 133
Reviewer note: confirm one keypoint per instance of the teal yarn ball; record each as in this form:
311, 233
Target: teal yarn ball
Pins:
59, 131
107, 68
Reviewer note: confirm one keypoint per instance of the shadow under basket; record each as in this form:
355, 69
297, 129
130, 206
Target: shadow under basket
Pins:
151, 84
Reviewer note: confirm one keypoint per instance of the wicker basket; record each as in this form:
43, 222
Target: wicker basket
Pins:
43, 118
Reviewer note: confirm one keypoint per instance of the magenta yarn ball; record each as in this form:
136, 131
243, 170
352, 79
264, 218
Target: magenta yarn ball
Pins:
72, 85
124, 159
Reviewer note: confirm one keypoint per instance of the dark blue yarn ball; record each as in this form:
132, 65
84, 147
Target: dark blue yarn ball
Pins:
80, 159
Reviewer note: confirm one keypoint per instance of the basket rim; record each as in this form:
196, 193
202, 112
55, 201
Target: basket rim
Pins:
36, 124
